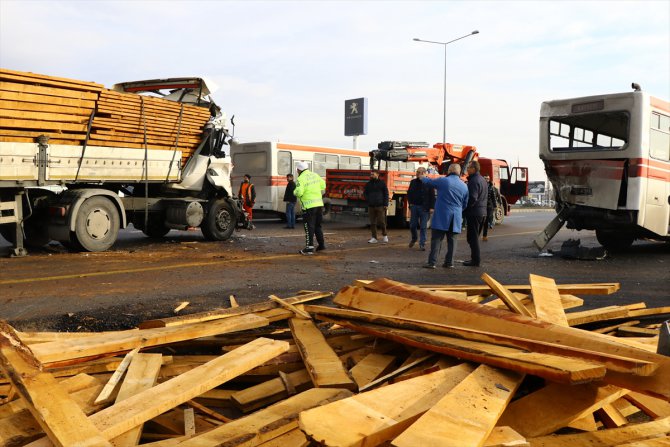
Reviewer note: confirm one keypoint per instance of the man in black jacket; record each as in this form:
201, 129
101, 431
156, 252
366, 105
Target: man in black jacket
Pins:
290, 200
475, 213
377, 197
421, 199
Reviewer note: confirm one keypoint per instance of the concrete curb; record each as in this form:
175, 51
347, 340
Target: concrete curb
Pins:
531, 210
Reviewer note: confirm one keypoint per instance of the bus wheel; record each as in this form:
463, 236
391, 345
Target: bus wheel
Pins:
220, 221
614, 240
96, 226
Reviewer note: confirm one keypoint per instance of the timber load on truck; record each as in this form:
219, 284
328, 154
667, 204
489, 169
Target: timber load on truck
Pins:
344, 187
79, 161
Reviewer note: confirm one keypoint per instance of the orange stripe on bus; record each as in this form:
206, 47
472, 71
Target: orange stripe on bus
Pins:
660, 104
326, 150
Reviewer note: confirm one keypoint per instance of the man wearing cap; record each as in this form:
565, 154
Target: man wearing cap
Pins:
309, 189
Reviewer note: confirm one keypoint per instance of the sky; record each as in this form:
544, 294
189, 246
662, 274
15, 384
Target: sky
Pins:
285, 68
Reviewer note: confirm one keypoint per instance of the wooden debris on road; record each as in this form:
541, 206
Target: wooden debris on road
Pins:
447, 365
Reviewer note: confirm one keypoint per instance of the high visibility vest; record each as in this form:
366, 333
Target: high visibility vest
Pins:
308, 189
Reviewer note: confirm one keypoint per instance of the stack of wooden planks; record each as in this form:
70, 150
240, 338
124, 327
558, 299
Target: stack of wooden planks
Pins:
32, 105
392, 364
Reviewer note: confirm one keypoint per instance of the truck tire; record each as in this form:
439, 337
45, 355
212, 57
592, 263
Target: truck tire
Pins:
220, 221
500, 211
615, 240
96, 225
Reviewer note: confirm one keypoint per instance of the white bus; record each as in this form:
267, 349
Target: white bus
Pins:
608, 158
268, 163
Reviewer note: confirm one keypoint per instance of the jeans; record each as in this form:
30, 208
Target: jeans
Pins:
475, 226
290, 214
312, 219
418, 219
436, 237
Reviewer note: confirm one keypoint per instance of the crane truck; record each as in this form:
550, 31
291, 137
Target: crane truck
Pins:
78, 178
345, 187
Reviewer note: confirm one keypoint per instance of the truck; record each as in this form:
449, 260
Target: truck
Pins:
344, 188
79, 162
608, 159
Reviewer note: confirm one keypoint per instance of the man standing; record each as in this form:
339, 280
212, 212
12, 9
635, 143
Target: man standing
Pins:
475, 213
290, 199
377, 196
247, 194
491, 206
309, 189
452, 199
421, 199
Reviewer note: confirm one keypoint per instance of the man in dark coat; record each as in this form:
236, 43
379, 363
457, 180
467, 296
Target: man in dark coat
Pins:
421, 199
290, 200
377, 197
475, 213
491, 206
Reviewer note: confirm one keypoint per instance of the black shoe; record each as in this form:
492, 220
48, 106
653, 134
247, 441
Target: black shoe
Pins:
470, 264
448, 266
422, 247
411, 244
320, 248
429, 266
307, 251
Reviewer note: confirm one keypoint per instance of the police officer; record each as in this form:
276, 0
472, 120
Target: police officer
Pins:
309, 189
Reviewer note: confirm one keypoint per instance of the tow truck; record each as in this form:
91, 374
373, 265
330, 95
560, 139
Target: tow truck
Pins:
344, 187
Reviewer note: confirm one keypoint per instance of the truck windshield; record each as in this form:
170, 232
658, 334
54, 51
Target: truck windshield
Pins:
594, 131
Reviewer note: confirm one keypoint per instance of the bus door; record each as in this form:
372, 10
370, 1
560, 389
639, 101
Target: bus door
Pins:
656, 174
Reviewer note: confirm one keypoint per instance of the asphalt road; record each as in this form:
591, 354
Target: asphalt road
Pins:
138, 279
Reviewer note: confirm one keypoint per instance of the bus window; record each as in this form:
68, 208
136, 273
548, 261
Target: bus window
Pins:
392, 166
251, 162
659, 139
347, 162
325, 161
599, 131
284, 162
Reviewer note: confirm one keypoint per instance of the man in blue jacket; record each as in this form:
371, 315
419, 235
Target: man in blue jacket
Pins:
452, 198
475, 213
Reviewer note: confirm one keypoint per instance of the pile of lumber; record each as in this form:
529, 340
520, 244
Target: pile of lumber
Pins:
32, 105
392, 364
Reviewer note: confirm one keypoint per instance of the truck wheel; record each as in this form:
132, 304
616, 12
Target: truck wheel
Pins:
498, 215
220, 221
96, 225
614, 240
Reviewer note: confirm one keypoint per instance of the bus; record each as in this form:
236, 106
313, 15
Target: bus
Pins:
608, 159
268, 163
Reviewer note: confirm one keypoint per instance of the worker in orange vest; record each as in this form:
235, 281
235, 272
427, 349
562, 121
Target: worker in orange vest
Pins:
247, 194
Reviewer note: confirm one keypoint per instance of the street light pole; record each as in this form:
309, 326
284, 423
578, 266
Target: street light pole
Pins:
444, 103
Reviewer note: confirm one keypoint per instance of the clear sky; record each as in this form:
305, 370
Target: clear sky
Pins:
284, 68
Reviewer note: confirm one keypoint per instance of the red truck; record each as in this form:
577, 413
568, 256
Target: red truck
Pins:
344, 187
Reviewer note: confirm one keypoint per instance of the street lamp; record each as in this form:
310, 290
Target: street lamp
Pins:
444, 109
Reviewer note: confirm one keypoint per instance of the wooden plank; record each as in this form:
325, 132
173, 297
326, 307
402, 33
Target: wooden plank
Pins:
22, 76
505, 437
555, 368
324, 367
48, 91
479, 317
631, 331
44, 99
555, 406
299, 313
656, 442
64, 350
570, 289
370, 368
208, 412
606, 438
547, 300
110, 386
266, 424
594, 315
223, 313
584, 423
142, 375
611, 417
32, 107
397, 372
606, 329
467, 414
616, 363
648, 312
506, 295
293, 438
48, 402
257, 396
189, 422
652, 406
43, 116
379, 415
41, 125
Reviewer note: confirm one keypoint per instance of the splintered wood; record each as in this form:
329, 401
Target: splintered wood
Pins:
394, 365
